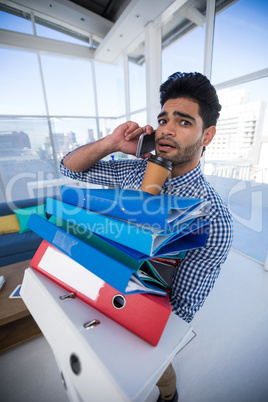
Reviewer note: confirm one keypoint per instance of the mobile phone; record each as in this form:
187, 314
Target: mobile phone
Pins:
146, 144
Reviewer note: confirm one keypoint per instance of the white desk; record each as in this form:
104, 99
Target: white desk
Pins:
115, 365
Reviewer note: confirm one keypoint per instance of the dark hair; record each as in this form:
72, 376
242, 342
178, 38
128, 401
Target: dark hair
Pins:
197, 87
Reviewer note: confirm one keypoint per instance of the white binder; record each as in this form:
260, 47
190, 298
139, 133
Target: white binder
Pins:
106, 362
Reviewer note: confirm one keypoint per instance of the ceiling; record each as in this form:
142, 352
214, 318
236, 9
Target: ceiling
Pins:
117, 27
109, 9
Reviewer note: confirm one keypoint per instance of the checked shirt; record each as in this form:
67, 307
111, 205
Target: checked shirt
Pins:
196, 274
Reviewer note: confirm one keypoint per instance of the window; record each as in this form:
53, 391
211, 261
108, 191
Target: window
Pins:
21, 89
137, 86
140, 118
24, 156
15, 20
70, 133
49, 30
110, 89
185, 55
69, 86
240, 40
243, 125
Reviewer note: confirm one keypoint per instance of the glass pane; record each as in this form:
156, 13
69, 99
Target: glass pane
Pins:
137, 86
110, 89
52, 31
186, 54
139, 118
69, 86
240, 40
106, 127
236, 164
242, 127
18, 22
25, 159
69, 134
20, 83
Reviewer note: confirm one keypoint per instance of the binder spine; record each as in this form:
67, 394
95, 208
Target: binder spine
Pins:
94, 260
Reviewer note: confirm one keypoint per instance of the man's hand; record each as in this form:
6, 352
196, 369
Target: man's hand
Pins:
126, 136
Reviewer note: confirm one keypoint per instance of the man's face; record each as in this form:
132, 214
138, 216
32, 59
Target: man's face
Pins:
179, 135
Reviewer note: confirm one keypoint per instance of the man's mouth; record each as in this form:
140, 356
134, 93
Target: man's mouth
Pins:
165, 145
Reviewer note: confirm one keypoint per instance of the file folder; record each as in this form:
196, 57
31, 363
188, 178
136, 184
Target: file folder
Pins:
144, 315
192, 237
139, 242
112, 271
101, 244
161, 211
148, 271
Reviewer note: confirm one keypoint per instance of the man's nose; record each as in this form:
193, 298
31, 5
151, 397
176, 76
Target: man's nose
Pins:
169, 129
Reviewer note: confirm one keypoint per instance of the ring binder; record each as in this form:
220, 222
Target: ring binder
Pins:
137, 206
91, 324
67, 296
144, 314
119, 302
75, 364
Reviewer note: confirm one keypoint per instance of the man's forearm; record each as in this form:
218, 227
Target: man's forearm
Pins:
86, 156
124, 138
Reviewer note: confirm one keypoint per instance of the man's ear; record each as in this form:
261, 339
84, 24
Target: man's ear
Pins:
208, 135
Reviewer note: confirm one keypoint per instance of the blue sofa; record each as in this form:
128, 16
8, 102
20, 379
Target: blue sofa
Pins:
16, 247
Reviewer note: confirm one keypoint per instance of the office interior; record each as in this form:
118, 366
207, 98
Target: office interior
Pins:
70, 72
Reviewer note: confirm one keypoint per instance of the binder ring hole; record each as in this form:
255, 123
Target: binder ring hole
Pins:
75, 364
119, 302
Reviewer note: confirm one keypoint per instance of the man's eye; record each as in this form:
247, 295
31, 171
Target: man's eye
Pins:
161, 121
185, 123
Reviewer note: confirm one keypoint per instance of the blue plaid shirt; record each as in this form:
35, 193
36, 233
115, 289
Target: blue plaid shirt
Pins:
197, 272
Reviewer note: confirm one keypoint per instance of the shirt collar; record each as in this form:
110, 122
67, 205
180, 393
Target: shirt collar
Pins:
186, 178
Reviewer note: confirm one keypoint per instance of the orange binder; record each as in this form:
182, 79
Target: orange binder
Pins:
143, 314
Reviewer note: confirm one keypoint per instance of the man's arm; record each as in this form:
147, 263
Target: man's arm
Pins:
196, 274
124, 138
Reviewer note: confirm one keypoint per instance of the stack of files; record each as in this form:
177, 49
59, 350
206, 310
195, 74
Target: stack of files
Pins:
137, 241
104, 260
157, 271
112, 262
161, 211
143, 314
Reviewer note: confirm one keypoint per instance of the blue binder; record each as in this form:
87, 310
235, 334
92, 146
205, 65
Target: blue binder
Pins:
145, 240
161, 211
192, 237
136, 241
118, 275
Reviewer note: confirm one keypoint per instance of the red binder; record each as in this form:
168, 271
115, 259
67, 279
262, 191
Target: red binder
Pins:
143, 314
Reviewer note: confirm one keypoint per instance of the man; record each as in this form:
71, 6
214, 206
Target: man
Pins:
186, 125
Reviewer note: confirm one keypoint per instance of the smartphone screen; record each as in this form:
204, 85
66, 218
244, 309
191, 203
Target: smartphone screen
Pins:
146, 144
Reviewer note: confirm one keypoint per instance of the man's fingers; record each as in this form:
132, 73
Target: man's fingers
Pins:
147, 129
132, 126
133, 134
134, 130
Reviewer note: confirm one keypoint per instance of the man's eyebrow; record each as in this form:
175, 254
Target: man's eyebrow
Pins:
162, 114
177, 113
186, 116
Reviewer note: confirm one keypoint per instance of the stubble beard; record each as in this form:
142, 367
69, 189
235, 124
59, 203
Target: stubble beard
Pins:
183, 155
